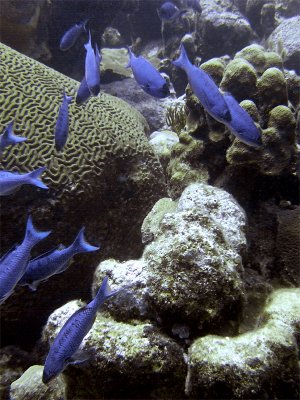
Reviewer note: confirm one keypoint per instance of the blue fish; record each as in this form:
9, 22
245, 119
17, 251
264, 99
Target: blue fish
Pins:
204, 88
53, 262
62, 123
14, 263
242, 125
64, 349
92, 71
169, 12
147, 76
8, 138
83, 93
12, 181
71, 35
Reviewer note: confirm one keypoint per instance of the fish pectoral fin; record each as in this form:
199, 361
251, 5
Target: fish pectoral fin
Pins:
33, 286
79, 357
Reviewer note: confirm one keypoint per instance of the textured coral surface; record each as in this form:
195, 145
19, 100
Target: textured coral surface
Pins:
106, 178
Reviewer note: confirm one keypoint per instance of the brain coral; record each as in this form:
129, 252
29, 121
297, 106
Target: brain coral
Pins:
107, 178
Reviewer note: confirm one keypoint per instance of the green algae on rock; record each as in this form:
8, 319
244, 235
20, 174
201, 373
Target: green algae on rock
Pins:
190, 263
30, 386
132, 359
258, 364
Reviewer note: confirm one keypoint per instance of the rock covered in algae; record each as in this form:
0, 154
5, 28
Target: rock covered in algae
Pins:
286, 39
132, 360
192, 260
288, 246
278, 151
258, 364
30, 386
106, 178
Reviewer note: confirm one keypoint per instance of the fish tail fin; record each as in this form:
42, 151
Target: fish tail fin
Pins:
11, 137
104, 293
183, 60
32, 234
80, 245
33, 178
89, 43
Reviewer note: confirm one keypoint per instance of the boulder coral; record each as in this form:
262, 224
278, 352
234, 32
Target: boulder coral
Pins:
191, 261
143, 362
107, 177
262, 363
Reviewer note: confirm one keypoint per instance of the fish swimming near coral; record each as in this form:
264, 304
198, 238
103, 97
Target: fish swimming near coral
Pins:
54, 262
149, 79
13, 264
83, 93
168, 11
204, 88
242, 125
70, 37
92, 71
7, 138
65, 346
10, 182
62, 123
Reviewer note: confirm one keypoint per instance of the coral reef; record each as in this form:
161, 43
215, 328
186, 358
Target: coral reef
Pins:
251, 365
256, 78
191, 261
107, 173
288, 246
30, 386
119, 349
286, 40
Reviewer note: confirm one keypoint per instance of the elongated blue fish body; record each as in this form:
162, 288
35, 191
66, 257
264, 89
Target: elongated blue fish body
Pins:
92, 71
62, 123
71, 35
14, 263
83, 93
54, 262
242, 125
12, 181
204, 88
147, 76
8, 138
72, 333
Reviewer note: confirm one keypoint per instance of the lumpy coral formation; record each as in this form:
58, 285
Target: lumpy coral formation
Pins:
255, 77
191, 261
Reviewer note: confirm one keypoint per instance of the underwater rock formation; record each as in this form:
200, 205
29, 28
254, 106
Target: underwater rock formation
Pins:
258, 364
288, 246
143, 362
106, 179
30, 386
286, 40
23, 27
191, 261
224, 29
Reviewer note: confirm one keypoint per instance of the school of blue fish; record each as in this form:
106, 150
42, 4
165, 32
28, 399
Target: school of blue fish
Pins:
16, 267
